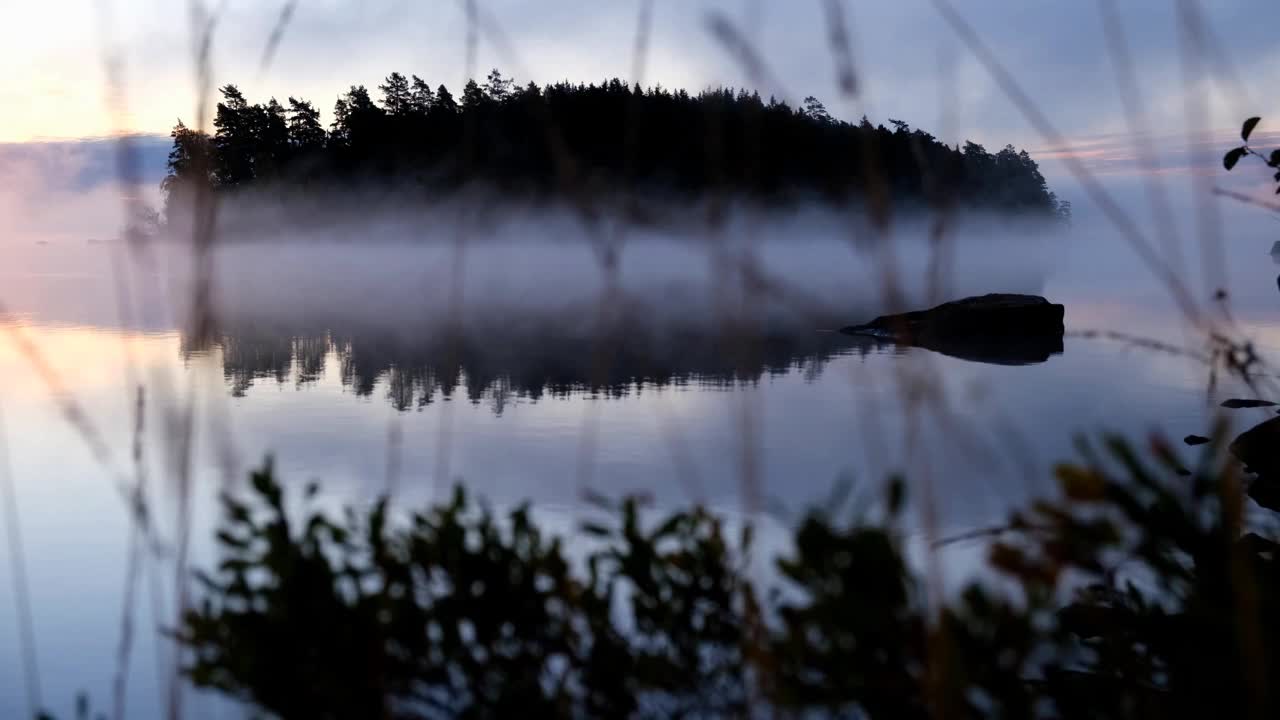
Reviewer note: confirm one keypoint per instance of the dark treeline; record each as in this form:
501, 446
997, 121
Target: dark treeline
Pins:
562, 138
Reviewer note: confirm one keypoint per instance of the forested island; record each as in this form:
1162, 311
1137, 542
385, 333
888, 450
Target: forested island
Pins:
562, 139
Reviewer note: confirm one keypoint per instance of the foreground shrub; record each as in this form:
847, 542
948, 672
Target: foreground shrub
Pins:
1142, 590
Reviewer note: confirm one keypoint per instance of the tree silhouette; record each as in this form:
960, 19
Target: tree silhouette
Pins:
274, 151
234, 142
421, 99
188, 165
444, 102
498, 88
306, 134
814, 109
397, 98
655, 141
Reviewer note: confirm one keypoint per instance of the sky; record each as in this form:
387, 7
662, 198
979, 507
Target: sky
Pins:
81, 69
73, 72
910, 63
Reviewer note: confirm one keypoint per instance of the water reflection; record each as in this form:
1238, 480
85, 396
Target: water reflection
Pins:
1024, 350
419, 370
804, 408
1275, 258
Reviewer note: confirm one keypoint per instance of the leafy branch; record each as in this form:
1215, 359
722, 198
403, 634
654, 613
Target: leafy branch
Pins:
1234, 155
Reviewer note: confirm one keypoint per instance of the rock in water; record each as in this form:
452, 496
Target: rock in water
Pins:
996, 328
1259, 448
1237, 403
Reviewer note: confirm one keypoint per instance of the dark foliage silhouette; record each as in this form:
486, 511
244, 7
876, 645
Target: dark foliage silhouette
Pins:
1270, 159
1139, 592
559, 139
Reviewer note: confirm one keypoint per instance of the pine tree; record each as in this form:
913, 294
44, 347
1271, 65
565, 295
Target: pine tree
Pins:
188, 158
473, 97
421, 98
188, 167
234, 141
444, 101
356, 118
305, 132
274, 150
497, 87
396, 96
814, 109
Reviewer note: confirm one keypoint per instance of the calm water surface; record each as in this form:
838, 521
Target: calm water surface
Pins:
333, 360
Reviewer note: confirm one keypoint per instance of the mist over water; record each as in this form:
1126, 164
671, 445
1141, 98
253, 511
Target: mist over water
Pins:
412, 271
355, 353
539, 283
705, 347
535, 296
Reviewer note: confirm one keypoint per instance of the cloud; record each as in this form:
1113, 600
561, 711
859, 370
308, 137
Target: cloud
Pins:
911, 64
1175, 154
50, 190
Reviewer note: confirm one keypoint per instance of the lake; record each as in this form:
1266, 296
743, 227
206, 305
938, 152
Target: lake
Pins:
508, 357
